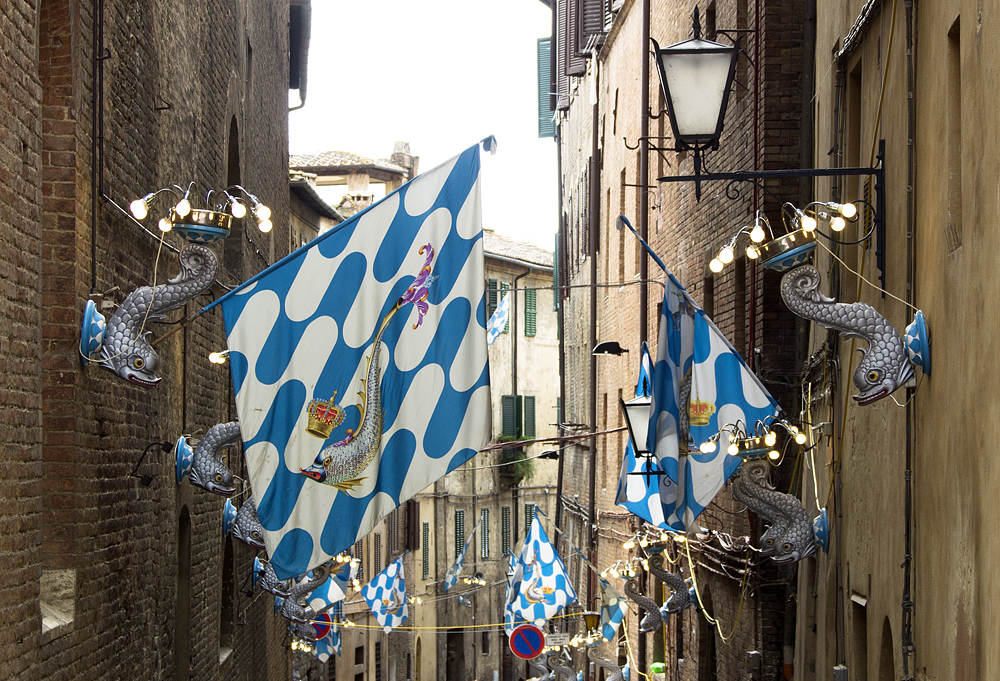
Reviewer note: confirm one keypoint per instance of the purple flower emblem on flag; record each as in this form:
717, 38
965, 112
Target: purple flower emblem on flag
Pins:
419, 289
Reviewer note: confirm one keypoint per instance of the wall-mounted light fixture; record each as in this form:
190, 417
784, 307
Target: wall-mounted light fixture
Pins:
609, 348
208, 222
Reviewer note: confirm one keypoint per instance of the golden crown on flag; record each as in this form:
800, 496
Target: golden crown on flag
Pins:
699, 413
324, 416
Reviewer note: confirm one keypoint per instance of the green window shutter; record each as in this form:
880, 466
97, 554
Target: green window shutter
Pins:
546, 126
529, 416
484, 533
427, 549
505, 530
491, 298
529, 515
508, 416
504, 288
530, 314
556, 290
459, 531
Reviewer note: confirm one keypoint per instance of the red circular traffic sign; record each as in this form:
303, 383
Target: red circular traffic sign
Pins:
527, 641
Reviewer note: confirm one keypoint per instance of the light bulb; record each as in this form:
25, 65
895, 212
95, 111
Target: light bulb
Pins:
680, 538
752, 252
629, 545
165, 225
237, 209
262, 211
848, 210
770, 438
757, 233
643, 543
715, 265
707, 447
265, 226
806, 222
774, 455
734, 449
139, 208
726, 255
800, 438
182, 208
216, 358
838, 223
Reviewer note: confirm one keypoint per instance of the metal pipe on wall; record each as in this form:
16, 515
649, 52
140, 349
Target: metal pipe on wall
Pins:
595, 221
643, 216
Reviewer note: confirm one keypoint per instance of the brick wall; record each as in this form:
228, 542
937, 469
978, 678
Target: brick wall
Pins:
176, 84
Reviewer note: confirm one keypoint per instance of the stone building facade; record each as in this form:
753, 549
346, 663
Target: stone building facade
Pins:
106, 577
605, 172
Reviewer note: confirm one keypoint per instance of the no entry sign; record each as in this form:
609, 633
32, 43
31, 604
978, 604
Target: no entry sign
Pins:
527, 641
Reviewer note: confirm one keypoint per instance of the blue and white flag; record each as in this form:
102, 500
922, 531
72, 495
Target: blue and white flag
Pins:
451, 576
701, 386
540, 587
365, 346
638, 486
498, 321
334, 589
612, 610
328, 640
386, 596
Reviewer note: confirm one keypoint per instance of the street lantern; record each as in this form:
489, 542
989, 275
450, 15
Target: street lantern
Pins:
636, 413
696, 76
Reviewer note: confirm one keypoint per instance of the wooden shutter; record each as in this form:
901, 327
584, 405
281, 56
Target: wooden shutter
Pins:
556, 285
505, 530
491, 298
510, 415
484, 533
594, 19
576, 65
530, 312
529, 515
459, 531
412, 524
378, 554
529, 416
546, 126
427, 549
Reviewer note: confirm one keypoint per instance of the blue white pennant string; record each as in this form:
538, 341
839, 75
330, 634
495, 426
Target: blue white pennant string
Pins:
498, 321
366, 345
386, 596
612, 610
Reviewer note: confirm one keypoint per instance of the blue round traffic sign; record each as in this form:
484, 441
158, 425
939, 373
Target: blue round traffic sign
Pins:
527, 641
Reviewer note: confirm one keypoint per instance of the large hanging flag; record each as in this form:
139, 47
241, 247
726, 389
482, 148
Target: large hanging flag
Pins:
451, 576
365, 346
498, 321
612, 610
701, 388
386, 596
540, 587
334, 589
638, 484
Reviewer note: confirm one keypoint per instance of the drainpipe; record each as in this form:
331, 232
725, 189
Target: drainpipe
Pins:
595, 215
97, 135
643, 216
513, 329
560, 267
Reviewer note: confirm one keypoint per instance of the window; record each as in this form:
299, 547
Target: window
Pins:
505, 530
360, 555
546, 126
485, 643
529, 312
394, 531
529, 415
378, 661
529, 515
412, 524
556, 283
491, 298
484, 533
459, 531
510, 416
359, 655
378, 554
427, 550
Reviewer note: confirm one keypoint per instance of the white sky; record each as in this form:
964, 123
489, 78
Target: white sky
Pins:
441, 75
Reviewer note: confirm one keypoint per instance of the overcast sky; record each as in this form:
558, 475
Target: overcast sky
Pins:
441, 75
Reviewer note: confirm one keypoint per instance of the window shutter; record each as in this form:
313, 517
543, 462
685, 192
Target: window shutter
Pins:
378, 553
575, 64
412, 524
559, 75
529, 515
484, 533
529, 416
505, 530
508, 427
459, 531
592, 22
491, 298
427, 549
530, 314
504, 288
360, 555
546, 126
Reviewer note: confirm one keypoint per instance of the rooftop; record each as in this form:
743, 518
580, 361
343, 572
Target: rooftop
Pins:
342, 160
497, 244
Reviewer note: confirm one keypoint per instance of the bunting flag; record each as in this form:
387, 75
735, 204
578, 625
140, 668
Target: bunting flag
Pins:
328, 640
612, 610
701, 386
386, 596
451, 577
540, 587
366, 345
334, 589
498, 321
638, 486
